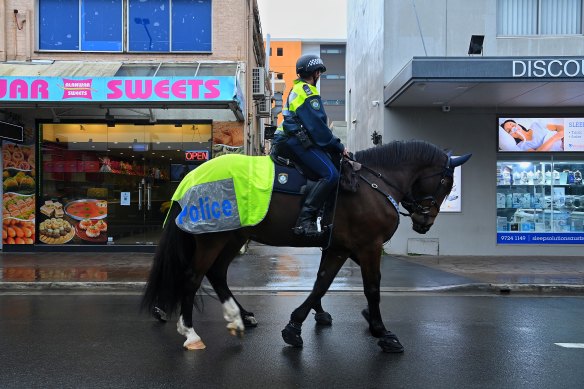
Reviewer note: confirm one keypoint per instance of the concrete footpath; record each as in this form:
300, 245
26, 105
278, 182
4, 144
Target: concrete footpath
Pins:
280, 269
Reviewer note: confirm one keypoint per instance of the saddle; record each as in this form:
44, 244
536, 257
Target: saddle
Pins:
289, 177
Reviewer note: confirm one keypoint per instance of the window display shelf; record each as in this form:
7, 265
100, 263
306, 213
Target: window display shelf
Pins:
540, 202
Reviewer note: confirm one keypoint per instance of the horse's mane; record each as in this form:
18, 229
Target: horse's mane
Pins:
393, 153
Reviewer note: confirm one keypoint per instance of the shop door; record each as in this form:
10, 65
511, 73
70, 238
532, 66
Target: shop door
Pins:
140, 199
138, 204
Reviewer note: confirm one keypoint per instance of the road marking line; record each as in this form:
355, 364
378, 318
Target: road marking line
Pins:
570, 345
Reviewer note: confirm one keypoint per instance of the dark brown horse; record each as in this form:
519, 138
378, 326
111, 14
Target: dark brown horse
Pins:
416, 174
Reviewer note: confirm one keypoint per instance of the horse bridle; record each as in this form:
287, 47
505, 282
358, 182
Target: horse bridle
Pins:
421, 206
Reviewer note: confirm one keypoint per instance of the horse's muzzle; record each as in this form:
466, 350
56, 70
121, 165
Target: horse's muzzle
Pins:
421, 229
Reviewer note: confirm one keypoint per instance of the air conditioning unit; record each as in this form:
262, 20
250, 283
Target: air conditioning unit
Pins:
258, 84
264, 107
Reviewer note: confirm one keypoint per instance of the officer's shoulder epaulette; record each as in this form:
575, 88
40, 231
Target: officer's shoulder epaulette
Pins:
307, 89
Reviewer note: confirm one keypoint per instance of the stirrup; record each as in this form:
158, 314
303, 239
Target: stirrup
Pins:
307, 231
311, 230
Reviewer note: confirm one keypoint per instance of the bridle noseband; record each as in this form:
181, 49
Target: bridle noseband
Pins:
424, 205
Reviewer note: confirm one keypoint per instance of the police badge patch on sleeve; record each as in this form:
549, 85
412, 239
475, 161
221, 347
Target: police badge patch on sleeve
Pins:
307, 90
315, 104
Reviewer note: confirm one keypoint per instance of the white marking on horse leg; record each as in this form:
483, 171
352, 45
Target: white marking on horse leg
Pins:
233, 316
193, 341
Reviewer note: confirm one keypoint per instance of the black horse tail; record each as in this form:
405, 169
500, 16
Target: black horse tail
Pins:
171, 266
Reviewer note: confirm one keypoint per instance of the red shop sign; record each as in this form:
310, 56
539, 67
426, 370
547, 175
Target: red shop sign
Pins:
197, 155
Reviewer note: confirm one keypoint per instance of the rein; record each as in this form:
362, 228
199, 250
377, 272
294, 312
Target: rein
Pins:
411, 204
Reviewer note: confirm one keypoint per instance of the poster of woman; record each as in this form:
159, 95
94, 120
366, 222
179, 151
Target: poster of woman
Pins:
531, 134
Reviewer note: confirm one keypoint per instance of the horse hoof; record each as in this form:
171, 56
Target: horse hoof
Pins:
323, 318
198, 345
235, 332
291, 336
249, 321
365, 314
159, 315
390, 344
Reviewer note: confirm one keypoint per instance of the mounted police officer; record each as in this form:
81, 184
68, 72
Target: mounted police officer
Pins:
305, 137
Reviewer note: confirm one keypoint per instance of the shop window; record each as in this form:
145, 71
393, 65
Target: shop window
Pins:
279, 51
152, 25
539, 17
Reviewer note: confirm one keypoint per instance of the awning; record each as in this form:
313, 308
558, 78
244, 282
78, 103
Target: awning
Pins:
152, 85
503, 82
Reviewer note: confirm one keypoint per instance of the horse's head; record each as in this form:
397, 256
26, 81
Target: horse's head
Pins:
429, 191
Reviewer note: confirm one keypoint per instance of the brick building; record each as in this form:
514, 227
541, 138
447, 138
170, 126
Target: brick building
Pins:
116, 101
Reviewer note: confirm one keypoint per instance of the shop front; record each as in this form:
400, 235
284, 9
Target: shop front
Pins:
106, 154
521, 118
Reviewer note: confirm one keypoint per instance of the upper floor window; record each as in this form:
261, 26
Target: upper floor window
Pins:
151, 25
339, 50
333, 76
333, 102
280, 51
539, 17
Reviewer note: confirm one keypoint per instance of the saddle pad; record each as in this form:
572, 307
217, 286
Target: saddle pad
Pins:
225, 193
288, 180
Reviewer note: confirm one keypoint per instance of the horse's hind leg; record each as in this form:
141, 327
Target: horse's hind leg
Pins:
330, 264
217, 276
208, 247
184, 326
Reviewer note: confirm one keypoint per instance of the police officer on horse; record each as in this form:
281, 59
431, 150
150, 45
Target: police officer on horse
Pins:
305, 137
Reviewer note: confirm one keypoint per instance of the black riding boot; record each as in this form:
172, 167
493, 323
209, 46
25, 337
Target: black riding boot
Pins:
306, 223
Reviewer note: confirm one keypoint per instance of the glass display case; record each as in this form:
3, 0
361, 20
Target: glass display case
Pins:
540, 202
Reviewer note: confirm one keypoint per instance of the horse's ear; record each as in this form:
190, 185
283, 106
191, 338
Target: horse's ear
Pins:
457, 161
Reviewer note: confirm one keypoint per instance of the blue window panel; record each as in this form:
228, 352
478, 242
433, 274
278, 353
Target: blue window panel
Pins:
149, 25
58, 25
191, 25
101, 25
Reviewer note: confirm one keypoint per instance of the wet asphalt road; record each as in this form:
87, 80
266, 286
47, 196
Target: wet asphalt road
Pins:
451, 341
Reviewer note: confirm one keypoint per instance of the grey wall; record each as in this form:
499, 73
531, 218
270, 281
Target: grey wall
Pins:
473, 230
382, 37
365, 80
445, 28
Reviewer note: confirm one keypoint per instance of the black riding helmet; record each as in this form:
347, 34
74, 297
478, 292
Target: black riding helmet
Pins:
309, 63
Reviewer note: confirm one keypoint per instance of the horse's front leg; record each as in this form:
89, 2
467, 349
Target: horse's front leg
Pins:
330, 264
371, 273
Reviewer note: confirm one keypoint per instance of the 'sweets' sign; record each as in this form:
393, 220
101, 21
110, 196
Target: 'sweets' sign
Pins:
113, 89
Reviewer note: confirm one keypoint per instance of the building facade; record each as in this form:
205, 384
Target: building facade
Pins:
115, 101
283, 54
452, 72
